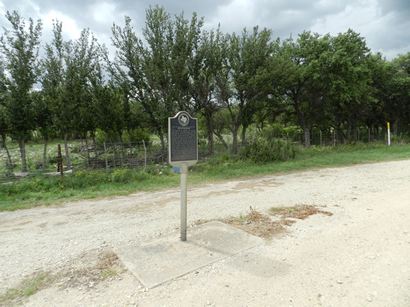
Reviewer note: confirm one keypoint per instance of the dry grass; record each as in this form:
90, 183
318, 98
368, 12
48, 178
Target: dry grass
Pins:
106, 266
264, 226
257, 224
300, 212
74, 275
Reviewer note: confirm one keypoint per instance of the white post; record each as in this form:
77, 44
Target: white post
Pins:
388, 134
184, 175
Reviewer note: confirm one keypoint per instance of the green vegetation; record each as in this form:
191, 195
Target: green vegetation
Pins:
261, 149
41, 190
329, 85
26, 288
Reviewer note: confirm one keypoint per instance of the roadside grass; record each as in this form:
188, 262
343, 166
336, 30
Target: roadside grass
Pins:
85, 273
262, 225
27, 287
300, 212
41, 190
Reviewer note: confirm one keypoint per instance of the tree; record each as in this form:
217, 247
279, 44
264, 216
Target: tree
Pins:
246, 57
204, 67
53, 86
109, 106
348, 81
4, 130
397, 105
4, 124
82, 63
297, 76
43, 118
20, 46
157, 72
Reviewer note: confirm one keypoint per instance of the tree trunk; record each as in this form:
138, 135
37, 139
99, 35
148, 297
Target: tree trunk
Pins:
243, 136
67, 152
221, 139
369, 136
88, 151
320, 138
22, 146
235, 140
306, 136
9, 162
45, 160
162, 139
210, 133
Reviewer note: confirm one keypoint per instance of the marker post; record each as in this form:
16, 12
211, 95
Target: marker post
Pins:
388, 134
183, 152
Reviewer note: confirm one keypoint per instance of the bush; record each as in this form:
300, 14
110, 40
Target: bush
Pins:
262, 149
127, 175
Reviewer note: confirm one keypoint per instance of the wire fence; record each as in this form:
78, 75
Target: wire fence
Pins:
90, 155
81, 156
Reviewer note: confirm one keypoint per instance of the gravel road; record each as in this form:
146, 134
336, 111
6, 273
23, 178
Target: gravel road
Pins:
359, 256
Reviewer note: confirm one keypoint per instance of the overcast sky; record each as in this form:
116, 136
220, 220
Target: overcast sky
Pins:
384, 23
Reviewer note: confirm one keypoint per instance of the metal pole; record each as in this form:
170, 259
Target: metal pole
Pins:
184, 175
388, 134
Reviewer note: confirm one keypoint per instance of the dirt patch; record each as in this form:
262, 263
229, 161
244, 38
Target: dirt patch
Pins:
262, 225
258, 224
300, 212
77, 274
107, 266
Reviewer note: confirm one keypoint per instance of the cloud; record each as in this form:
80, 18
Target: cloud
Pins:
384, 23
70, 26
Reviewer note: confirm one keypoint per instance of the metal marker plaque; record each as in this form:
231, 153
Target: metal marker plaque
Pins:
182, 139
183, 152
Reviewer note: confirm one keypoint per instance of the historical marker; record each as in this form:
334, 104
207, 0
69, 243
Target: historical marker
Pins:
183, 152
183, 139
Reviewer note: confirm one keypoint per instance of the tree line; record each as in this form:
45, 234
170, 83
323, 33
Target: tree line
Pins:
232, 82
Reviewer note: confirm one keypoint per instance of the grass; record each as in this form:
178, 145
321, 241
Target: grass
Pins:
300, 212
40, 190
257, 224
26, 288
262, 225
107, 266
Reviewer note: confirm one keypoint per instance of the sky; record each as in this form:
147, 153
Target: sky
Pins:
385, 24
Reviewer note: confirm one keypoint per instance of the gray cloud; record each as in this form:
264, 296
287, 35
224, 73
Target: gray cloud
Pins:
384, 23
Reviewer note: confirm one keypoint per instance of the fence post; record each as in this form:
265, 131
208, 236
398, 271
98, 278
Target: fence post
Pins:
60, 161
145, 154
113, 155
320, 137
105, 156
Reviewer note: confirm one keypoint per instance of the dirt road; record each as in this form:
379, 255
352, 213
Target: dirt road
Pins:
359, 256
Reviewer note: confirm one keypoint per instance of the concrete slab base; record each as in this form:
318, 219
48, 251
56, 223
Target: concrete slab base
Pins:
168, 258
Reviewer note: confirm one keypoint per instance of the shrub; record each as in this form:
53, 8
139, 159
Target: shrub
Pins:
127, 175
263, 149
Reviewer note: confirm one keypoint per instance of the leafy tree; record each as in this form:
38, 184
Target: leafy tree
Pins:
297, 75
397, 107
4, 124
20, 46
205, 66
108, 102
53, 84
82, 62
157, 72
348, 81
246, 57
43, 118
